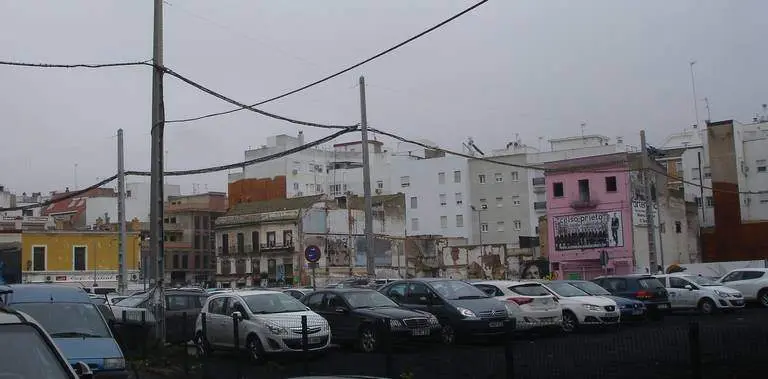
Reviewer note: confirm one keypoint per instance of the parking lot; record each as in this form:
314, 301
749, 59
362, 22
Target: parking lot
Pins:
730, 345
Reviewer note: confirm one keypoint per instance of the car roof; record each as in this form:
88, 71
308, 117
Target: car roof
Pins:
629, 276
9, 316
45, 293
503, 282
347, 290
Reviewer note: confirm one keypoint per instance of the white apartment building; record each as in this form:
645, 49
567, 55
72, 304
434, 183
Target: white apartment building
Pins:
436, 188
315, 171
137, 201
687, 156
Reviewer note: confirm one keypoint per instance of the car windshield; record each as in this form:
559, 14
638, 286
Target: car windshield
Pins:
650, 283
62, 320
590, 288
457, 290
24, 354
532, 289
132, 301
368, 299
566, 290
702, 281
273, 303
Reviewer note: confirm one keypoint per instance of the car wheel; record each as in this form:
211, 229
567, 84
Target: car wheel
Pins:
762, 297
447, 334
707, 306
570, 323
255, 350
202, 347
368, 340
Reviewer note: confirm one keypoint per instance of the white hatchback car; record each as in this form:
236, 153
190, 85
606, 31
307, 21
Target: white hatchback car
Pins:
269, 322
581, 308
697, 292
529, 303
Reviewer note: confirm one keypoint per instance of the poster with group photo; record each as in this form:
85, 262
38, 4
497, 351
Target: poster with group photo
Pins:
588, 231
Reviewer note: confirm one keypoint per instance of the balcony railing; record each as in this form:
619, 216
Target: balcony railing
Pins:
540, 205
272, 245
177, 245
586, 202
538, 181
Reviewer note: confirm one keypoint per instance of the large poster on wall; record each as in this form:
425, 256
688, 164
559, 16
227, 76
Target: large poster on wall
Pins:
588, 231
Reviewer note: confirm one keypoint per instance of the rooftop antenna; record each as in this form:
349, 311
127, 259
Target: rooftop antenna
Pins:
583, 126
540, 140
693, 88
765, 113
709, 115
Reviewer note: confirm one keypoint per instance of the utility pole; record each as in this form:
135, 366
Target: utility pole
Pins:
369, 261
644, 166
701, 190
121, 214
156, 187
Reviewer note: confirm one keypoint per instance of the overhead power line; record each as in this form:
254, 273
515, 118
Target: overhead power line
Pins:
76, 65
249, 107
338, 73
250, 161
65, 196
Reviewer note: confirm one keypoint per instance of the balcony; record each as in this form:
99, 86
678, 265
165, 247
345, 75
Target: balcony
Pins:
177, 245
540, 205
583, 202
538, 181
273, 246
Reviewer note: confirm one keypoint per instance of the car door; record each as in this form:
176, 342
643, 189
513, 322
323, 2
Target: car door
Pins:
744, 281
396, 292
679, 296
340, 313
228, 334
735, 280
214, 319
421, 297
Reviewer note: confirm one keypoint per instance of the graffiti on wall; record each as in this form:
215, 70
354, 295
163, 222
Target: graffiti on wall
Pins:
339, 252
475, 262
535, 269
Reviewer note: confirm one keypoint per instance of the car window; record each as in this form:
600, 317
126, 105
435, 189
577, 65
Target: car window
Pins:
566, 290
615, 285
649, 283
397, 291
237, 307
216, 306
416, 291
530, 290
678, 283
489, 289
277, 302
732, 277
67, 319
135, 301
334, 301
315, 301
368, 299
591, 288
457, 290
35, 360
751, 275
177, 302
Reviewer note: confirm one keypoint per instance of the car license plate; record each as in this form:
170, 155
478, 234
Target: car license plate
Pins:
663, 306
496, 324
738, 302
611, 314
420, 332
314, 340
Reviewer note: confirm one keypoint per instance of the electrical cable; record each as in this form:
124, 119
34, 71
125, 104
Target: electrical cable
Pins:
343, 71
251, 108
77, 65
65, 196
250, 161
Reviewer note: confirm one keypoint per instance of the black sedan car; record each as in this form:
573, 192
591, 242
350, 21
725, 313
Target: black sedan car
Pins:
361, 316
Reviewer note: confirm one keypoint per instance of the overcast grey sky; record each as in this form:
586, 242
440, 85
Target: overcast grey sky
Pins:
537, 68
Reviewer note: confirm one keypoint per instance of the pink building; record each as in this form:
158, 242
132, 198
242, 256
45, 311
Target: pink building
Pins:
589, 216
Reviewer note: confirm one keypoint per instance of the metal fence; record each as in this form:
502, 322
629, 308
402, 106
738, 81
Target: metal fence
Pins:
683, 349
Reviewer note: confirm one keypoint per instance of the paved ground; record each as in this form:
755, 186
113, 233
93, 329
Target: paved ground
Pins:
731, 346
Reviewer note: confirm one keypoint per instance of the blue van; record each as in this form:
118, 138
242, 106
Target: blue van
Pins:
73, 321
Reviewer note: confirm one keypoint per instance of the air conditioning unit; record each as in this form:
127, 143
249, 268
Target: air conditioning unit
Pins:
483, 206
295, 171
379, 191
299, 193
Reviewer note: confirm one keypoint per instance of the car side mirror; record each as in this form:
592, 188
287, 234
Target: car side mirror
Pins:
237, 316
688, 287
82, 370
342, 310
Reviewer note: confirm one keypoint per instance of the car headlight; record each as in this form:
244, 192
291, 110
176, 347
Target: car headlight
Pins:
114, 364
276, 329
466, 312
592, 307
722, 294
395, 324
433, 320
510, 310
624, 306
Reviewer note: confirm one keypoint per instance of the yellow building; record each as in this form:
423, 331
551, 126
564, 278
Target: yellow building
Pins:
68, 256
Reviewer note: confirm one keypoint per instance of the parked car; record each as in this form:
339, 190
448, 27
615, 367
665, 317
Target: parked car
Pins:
269, 323
463, 310
751, 282
27, 351
698, 292
74, 322
298, 293
355, 315
642, 287
179, 303
630, 309
582, 309
530, 304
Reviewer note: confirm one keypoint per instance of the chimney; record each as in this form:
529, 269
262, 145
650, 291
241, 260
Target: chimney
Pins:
66, 190
301, 137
